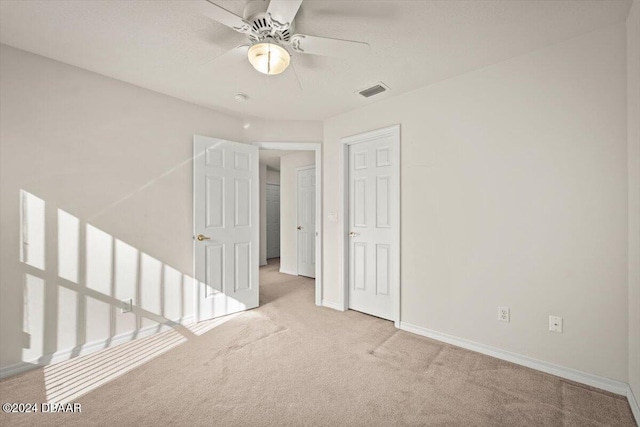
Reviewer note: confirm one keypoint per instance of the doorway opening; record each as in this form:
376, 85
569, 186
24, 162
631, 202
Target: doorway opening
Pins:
291, 188
273, 216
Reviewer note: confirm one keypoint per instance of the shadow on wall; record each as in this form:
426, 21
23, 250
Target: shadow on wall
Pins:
79, 306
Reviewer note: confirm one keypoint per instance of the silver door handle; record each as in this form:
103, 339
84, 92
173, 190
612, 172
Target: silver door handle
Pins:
353, 234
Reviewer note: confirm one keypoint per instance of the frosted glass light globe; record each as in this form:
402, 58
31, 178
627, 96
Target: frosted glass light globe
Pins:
269, 58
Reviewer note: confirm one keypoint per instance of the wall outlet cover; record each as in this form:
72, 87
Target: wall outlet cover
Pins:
555, 324
504, 314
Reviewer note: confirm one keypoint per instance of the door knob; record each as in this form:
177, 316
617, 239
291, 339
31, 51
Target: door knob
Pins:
202, 237
353, 234
299, 227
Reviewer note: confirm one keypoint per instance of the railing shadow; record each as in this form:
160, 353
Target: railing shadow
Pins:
77, 281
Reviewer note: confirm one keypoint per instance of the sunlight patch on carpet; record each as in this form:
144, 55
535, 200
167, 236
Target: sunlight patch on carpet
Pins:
68, 380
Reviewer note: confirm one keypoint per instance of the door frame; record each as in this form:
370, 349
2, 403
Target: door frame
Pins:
317, 148
394, 132
301, 168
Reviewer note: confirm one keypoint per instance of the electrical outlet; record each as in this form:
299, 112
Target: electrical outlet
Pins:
555, 324
503, 314
127, 306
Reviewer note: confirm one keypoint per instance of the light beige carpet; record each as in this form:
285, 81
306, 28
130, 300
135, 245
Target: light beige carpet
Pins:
290, 363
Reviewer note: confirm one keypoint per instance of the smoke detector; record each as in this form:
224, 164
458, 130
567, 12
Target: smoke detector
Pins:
240, 97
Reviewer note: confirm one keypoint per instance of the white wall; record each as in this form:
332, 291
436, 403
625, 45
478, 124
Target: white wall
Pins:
633, 132
514, 183
288, 208
264, 130
115, 159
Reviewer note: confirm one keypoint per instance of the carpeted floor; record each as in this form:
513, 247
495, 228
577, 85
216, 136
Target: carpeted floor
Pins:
290, 363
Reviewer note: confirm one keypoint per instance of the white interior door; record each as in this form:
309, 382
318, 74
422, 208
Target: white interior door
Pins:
306, 200
373, 218
273, 221
226, 226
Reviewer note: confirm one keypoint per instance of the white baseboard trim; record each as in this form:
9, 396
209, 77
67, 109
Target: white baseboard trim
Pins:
292, 273
15, 369
85, 349
331, 304
633, 403
613, 386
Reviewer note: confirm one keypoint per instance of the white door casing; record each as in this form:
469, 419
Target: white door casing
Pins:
306, 220
226, 214
273, 221
372, 219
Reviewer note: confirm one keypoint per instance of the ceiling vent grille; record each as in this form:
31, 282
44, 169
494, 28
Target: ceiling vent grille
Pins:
373, 90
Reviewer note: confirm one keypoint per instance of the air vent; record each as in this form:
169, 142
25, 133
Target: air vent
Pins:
373, 90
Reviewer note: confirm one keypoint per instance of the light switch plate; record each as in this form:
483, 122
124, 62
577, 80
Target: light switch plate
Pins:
555, 324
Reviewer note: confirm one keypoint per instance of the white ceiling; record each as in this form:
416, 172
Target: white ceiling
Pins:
167, 46
271, 158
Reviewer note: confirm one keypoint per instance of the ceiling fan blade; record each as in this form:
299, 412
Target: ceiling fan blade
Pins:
223, 16
328, 47
281, 13
234, 56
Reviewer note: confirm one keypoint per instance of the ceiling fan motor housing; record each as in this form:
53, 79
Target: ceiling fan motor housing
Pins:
261, 27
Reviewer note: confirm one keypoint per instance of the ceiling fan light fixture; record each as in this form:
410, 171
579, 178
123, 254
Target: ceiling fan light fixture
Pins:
269, 58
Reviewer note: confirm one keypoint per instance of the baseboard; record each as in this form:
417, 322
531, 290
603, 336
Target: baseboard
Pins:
331, 304
633, 403
18, 368
284, 271
85, 349
613, 386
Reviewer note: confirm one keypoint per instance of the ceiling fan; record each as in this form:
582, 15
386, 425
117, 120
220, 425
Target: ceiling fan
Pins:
269, 26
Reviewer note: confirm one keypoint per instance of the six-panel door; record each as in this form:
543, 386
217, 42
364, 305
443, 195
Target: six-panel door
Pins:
306, 199
226, 217
372, 225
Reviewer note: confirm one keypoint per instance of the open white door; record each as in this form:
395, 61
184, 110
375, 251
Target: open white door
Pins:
226, 226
